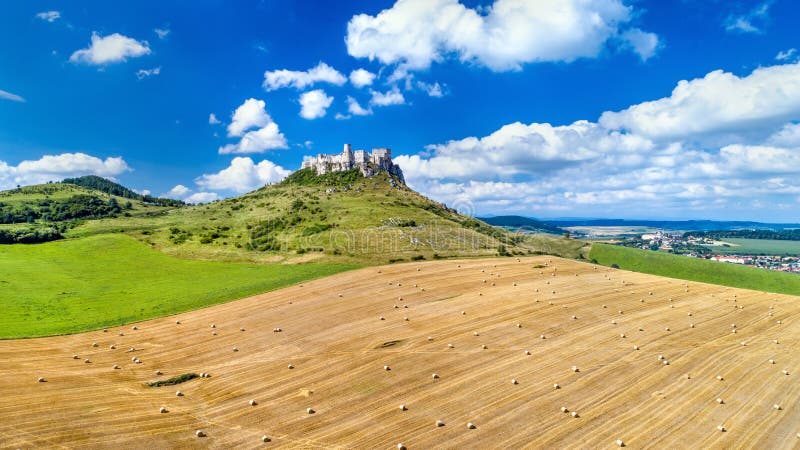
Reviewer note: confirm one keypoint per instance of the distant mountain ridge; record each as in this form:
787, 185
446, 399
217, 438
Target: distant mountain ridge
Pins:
523, 223
694, 225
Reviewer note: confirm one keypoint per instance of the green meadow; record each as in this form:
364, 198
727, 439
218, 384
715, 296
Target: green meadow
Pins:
99, 281
693, 269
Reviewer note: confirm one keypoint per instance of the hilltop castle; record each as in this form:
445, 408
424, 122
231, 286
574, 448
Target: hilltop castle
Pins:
370, 164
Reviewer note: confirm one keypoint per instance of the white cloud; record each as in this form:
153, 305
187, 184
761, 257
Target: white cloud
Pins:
243, 175
321, 73
340, 116
201, 197
600, 169
361, 77
162, 33
145, 73
390, 97
720, 102
641, 42
49, 16
433, 90
179, 191
355, 109
786, 55
250, 114
746, 23
314, 104
58, 167
212, 119
504, 36
5, 95
264, 133
110, 49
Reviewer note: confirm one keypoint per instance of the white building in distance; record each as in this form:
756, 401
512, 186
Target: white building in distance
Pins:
370, 163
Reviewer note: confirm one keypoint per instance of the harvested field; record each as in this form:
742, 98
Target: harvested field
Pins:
323, 370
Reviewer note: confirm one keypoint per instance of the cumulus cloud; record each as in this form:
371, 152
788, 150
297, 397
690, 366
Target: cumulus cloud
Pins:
212, 119
146, 73
256, 128
720, 102
243, 175
597, 167
201, 197
361, 77
391, 97
58, 167
504, 36
5, 95
109, 49
314, 104
179, 191
641, 42
356, 109
298, 79
433, 90
750, 22
49, 16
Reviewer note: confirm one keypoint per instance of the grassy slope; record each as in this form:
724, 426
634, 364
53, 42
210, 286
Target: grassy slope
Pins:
758, 247
76, 285
693, 269
359, 219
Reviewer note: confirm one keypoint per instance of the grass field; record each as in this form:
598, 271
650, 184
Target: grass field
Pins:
685, 268
758, 247
83, 284
612, 325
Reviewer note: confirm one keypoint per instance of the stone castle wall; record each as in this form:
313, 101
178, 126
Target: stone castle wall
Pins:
369, 163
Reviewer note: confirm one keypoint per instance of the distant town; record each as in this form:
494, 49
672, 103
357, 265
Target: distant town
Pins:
703, 247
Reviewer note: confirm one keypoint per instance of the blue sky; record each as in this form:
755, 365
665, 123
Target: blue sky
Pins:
608, 108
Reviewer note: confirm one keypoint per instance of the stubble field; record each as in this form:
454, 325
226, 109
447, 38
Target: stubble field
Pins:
601, 335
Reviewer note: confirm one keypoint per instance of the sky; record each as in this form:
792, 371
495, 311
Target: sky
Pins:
680, 109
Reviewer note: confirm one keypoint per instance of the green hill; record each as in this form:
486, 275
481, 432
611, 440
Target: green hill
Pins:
341, 217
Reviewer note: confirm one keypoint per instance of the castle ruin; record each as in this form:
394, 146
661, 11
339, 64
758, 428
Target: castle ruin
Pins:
369, 163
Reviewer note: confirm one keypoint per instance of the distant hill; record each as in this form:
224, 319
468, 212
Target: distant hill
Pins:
46, 212
683, 225
523, 223
109, 187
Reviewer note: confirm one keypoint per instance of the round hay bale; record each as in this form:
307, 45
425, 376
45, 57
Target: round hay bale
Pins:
178, 394
470, 426
564, 409
636, 347
475, 333
400, 446
484, 346
382, 318
177, 322
387, 368
620, 443
450, 346
134, 327
105, 330
721, 428
556, 386
541, 336
162, 410
720, 401
74, 356
574, 414
42, 380
439, 423
575, 369
403, 408
213, 325
666, 362
112, 346
430, 338
719, 378
94, 344
785, 372
115, 367
435, 376
158, 372
290, 366
252, 403
265, 438
777, 407
241, 329
514, 381
235, 349
527, 352
310, 410
772, 361
199, 433
87, 361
